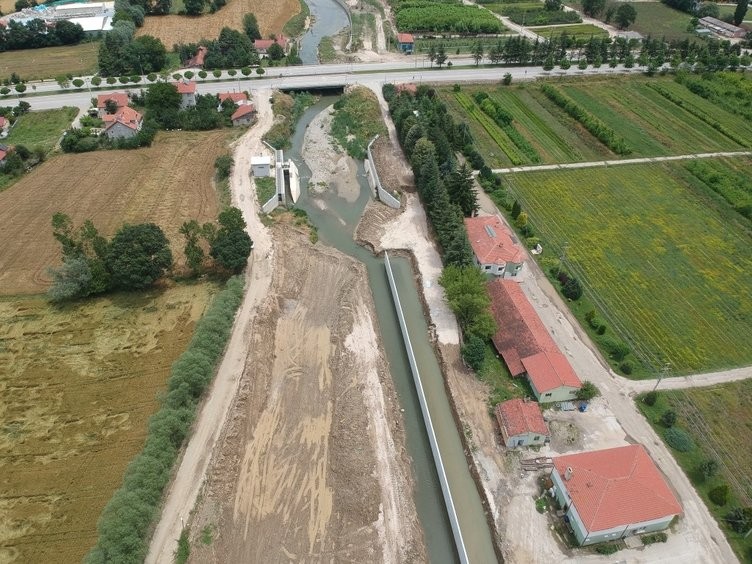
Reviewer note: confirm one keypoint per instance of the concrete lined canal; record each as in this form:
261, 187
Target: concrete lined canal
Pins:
336, 224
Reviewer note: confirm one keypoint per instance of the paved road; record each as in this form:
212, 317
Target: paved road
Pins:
641, 160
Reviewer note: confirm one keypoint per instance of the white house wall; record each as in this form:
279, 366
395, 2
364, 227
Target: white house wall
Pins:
562, 393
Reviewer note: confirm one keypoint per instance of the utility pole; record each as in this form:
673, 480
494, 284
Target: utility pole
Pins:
563, 256
662, 374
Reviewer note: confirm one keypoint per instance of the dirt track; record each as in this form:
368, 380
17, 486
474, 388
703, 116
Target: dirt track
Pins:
310, 465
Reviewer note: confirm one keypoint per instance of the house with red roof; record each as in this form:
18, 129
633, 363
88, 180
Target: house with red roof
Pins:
613, 493
187, 91
4, 124
526, 345
262, 45
4, 150
120, 99
244, 115
123, 124
405, 42
238, 98
521, 423
495, 248
197, 61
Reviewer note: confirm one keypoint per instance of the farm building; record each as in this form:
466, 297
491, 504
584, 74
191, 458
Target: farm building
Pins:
120, 98
613, 493
197, 61
262, 45
526, 346
123, 124
495, 249
239, 98
405, 42
244, 115
187, 91
722, 28
261, 165
521, 423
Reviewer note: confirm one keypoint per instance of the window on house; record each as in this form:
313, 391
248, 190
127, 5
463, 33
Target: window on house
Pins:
487, 267
548, 395
537, 438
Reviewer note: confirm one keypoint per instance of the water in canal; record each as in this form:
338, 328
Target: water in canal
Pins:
335, 227
328, 18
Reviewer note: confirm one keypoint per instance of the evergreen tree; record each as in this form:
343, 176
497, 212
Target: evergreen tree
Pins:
461, 189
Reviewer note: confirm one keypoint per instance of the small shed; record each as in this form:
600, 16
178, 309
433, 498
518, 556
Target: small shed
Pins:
244, 115
522, 423
261, 165
405, 42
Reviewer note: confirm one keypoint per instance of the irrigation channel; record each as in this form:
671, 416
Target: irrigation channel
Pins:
328, 17
336, 224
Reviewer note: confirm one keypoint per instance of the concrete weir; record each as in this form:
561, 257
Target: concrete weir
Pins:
449, 502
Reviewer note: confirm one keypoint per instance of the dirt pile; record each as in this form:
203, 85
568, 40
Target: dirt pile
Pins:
310, 465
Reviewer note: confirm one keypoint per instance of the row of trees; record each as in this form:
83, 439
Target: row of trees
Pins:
138, 255
120, 53
36, 34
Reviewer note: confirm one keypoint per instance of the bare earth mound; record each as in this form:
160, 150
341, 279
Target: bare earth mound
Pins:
167, 184
271, 16
311, 466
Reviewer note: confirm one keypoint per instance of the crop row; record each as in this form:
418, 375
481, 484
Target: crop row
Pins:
540, 16
596, 127
499, 136
700, 114
504, 120
429, 16
731, 94
736, 190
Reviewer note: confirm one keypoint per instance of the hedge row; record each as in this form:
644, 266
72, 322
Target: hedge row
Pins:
125, 523
596, 127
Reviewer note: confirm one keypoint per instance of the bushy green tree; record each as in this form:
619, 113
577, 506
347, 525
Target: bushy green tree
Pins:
250, 27
625, 16
707, 468
719, 495
668, 419
588, 391
138, 255
740, 11
593, 7
468, 297
474, 352
461, 189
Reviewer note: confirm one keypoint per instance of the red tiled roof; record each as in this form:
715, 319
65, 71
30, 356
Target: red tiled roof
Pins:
491, 240
120, 98
550, 370
198, 59
243, 111
408, 87
616, 487
3, 121
234, 96
185, 87
517, 417
521, 333
3, 153
259, 44
127, 116
405, 38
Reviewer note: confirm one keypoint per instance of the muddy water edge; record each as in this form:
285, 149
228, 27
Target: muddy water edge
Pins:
328, 17
336, 219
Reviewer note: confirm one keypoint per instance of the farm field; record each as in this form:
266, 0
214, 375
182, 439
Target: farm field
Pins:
41, 129
650, 123
49, 62
464, 44
173, 29
719, 421
578, 31
662, 260
167, 183
79, 385
657, 20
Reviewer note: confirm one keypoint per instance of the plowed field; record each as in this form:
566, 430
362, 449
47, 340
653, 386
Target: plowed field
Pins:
168, 183
271, 17
78, 384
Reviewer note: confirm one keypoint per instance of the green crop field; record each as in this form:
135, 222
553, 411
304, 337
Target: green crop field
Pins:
41, 129
578, 31
637, 110
720, 423
662, 259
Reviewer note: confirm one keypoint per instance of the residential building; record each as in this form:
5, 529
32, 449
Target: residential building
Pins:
521, 423
526, 346
197, 61
262, 45
239, 98
495, 248
187, 91
405, 42
120, 98
4, 126
613, 493
123, 124
4, 150
244, 115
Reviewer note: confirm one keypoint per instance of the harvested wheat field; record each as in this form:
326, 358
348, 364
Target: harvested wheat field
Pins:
311, 466
167, 183
271, 16
77, 387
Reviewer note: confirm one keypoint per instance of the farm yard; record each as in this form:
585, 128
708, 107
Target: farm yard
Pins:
450, 15
119, 186
533, 13
41, 129
174, 29
651, 117
662, 259
719, 423
80, 383
49, 62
